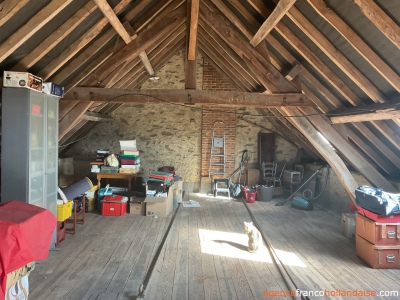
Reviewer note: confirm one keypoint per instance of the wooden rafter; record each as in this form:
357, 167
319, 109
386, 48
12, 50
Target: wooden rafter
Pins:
356, 42
72, 118
55, 38
80, 43
277, 14
9, 8
194, 21
97, 117
381, 20
37, 22
376, 114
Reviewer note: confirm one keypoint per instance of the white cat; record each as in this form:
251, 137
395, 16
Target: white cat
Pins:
254, 236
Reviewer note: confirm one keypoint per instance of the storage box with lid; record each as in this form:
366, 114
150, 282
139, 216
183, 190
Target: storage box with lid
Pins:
378, 233
378, 257
114, 205
23, 80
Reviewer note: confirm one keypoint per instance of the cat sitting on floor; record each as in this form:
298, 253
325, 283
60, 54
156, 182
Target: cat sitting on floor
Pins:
254, 236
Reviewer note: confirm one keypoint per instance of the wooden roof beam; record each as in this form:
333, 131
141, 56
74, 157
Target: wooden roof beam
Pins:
38, 21
199, 97
194, 22
277, 14
381, 20
96, 117
122, 31
365, 114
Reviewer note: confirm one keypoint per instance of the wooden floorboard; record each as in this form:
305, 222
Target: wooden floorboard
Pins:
205, 256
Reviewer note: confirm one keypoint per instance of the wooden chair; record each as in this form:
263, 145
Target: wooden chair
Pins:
269, 172
77, 217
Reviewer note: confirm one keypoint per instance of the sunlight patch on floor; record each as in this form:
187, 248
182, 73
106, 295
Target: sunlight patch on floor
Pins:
234, 245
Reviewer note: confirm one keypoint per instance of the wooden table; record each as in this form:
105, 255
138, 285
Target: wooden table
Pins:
123, 176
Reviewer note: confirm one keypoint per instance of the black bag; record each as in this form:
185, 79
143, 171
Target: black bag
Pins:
377, 201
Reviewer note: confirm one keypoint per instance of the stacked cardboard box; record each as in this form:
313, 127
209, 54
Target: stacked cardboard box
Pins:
378, 239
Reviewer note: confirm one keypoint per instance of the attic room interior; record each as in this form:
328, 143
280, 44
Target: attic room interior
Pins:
169, 125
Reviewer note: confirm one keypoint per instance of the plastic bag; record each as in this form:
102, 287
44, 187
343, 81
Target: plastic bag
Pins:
112, 161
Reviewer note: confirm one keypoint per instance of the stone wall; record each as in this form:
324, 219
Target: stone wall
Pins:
170, 134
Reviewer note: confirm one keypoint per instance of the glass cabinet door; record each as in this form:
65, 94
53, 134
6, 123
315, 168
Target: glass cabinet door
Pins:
51, 154
36, 150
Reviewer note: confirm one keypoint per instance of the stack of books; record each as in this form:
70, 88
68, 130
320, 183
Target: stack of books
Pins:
130, 160
101, 155
96, 165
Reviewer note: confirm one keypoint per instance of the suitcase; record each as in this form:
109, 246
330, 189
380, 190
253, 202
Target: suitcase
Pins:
377, 201
378, 257
378, 218
379, 234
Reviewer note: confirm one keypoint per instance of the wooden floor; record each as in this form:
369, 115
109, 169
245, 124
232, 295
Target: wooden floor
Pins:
205, 256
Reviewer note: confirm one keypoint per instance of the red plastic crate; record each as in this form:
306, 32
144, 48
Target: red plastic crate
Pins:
113, 208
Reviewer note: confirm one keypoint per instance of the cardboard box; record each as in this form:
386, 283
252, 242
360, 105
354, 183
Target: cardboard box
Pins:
382, 234
17, 274
137, 206
160, 206
378, 257
20, 290
22, 79
177, 189
53, 89
349, 224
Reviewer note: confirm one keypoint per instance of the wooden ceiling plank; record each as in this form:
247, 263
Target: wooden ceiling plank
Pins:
277, 14
194, 22
9, 8
378, 159
374, 140
88, 70
26, 31
356, 42
83, 57
112, 18
381, 20
72, 118
65, 107
247, 52
336, 56
200, 97
77, 46
55, 38
143, 41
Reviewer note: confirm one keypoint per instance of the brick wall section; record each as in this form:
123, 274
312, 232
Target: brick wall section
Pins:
213, 80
